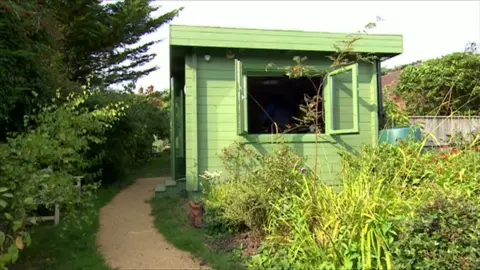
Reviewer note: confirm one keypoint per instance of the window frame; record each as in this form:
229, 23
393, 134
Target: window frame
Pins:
328, 97
241, 77
241, 92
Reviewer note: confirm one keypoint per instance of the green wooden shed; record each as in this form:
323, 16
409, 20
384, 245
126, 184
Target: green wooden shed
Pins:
220, 90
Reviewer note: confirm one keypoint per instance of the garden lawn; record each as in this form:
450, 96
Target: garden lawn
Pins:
75, 248
171, 219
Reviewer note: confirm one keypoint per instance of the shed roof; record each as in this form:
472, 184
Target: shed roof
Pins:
247, 38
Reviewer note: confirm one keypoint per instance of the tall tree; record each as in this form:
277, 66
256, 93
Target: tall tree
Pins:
30, 69
104, 40
47, 45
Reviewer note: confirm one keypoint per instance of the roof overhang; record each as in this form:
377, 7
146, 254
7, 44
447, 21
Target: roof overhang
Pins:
245, 38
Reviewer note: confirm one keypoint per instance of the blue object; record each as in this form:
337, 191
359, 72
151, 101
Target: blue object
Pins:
395, 135
269, 112
278, 113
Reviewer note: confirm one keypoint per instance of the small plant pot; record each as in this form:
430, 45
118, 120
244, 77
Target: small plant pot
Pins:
196, 213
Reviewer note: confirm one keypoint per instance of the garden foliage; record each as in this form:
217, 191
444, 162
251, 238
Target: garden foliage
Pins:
97, 135
57, 44
442, 86
51, 128
38, 166
390, 212
395, 116
443, 234
129, 141
254, 183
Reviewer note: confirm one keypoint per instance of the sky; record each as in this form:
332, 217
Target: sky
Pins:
430, 29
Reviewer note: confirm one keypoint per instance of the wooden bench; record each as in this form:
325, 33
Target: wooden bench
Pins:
56, 215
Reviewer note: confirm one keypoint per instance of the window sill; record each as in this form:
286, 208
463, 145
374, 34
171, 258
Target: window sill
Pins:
288, 138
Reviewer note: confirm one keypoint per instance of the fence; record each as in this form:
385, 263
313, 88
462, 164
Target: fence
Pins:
442, 126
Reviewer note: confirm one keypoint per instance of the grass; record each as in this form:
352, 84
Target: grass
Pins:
171, 219
75, 248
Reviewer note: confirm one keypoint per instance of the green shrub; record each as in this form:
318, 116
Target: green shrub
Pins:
383, 189
254, 182
38, 166
129, 142
442, 86
443, 234
356, 227
395, 116
234, 206
404, 163
325, 229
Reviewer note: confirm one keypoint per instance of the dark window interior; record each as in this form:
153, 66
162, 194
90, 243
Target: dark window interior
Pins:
280, 98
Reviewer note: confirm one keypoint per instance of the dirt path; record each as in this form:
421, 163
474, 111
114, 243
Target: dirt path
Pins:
127, 238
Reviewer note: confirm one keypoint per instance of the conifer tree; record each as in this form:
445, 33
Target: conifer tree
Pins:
105, 39
47, 45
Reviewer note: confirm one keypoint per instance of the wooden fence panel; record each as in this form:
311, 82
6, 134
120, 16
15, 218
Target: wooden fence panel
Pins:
442, 126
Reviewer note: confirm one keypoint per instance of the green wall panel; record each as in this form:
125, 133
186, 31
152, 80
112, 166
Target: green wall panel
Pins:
211, 115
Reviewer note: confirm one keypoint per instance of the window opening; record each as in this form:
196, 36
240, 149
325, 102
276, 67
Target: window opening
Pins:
284, 101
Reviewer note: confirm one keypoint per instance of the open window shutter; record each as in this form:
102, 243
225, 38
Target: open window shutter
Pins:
173, 133
241, 88
173, 115
341, 101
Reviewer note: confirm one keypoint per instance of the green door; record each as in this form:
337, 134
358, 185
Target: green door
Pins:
177, 122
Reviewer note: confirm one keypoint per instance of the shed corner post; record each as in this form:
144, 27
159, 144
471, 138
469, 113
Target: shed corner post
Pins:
192, 181
173, 130
376, 99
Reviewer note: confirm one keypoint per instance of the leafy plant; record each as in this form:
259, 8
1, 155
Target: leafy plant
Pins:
349, 229
443, 234
37, 167
403, 162
356, 226
129, 142
395, 116
254, 182
442, 86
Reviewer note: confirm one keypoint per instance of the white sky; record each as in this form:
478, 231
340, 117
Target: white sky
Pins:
430, 28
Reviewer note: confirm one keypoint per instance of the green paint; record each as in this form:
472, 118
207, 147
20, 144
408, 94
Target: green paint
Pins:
201, 36
192, 160
215, 113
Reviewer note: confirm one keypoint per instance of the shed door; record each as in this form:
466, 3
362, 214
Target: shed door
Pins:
177, 118
341, 101
242, 97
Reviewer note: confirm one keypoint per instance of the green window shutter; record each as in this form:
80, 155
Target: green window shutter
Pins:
241, 88
173, 129
341, 101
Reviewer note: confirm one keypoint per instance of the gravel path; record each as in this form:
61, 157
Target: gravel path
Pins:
127, 238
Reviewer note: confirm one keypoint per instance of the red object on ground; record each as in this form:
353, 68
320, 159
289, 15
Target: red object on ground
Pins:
196, 213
